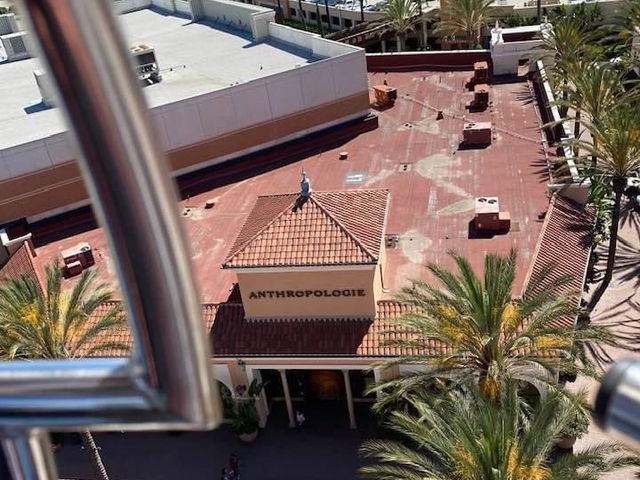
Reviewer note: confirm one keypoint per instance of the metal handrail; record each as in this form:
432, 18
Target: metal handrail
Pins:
168, 382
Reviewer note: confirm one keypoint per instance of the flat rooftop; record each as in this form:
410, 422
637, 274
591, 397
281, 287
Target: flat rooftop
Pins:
432, 184
194, 58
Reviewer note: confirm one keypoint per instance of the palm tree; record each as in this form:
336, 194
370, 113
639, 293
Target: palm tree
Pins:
51, 323
474, 327
459, 435
595, 88
319, 20
401, 17
466, 17
304, 22
326, 8
562, 45
617, 150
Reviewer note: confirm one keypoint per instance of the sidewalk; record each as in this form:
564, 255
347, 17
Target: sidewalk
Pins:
324, 448
619, 308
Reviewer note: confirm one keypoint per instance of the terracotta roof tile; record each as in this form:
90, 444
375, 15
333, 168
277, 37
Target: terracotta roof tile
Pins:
20, 263
232, 334
565, 243
328, 228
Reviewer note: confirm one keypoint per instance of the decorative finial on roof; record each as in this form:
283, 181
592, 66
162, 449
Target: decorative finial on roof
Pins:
305, 185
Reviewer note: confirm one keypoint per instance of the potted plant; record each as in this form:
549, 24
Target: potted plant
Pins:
576, 425
245, 420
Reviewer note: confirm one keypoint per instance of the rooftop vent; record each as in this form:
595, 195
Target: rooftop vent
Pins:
354, 178
44, 86
391, 240
305, 185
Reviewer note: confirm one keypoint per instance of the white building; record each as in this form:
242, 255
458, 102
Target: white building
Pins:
234, 82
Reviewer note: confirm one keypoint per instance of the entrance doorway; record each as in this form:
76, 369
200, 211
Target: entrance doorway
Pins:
320, 395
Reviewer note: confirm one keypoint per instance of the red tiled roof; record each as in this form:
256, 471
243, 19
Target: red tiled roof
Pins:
116, 336
565, 244
327, 228
19, 264
232, 334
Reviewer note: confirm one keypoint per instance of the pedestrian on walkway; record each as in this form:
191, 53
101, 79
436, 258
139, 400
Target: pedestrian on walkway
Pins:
300, 419
232, 471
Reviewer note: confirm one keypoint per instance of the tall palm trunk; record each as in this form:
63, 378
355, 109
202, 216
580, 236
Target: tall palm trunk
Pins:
425, 40
301, 13
576, 132
362, 11
326, 8
565, 99
399, 41
539, 11
618, 189
320, 27
94, 455
422, 25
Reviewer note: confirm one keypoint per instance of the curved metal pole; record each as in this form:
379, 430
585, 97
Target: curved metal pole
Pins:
133, 197
30, 456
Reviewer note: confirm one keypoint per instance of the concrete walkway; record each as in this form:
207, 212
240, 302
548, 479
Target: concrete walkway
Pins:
620, 309
324, 448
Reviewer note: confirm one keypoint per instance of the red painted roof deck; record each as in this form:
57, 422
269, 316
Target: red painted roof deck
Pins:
432, 184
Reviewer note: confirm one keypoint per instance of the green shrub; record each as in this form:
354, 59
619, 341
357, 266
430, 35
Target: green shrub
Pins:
245, 417
577, 424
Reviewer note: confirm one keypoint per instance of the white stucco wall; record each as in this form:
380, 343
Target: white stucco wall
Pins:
261, 100
124, 6
243, 16
505, 55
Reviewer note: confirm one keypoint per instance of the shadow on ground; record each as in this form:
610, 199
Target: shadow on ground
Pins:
324, 448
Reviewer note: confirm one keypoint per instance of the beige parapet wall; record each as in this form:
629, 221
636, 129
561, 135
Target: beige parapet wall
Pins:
334, 293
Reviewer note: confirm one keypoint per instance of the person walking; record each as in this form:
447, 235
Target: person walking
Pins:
232, 471
300, 419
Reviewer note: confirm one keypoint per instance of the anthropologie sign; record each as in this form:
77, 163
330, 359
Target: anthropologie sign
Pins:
343, 292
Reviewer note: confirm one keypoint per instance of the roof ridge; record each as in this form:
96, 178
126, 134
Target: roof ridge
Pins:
272, 195
344, 229
322, 192
221, 304
254, 236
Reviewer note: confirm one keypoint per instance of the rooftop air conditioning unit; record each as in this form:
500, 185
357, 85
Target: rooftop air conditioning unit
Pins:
15, 45
391, 241
8, 23
146, 65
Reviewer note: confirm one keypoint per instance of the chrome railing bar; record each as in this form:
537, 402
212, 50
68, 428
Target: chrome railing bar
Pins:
30, 456
133, 196
170, 382
26, 379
